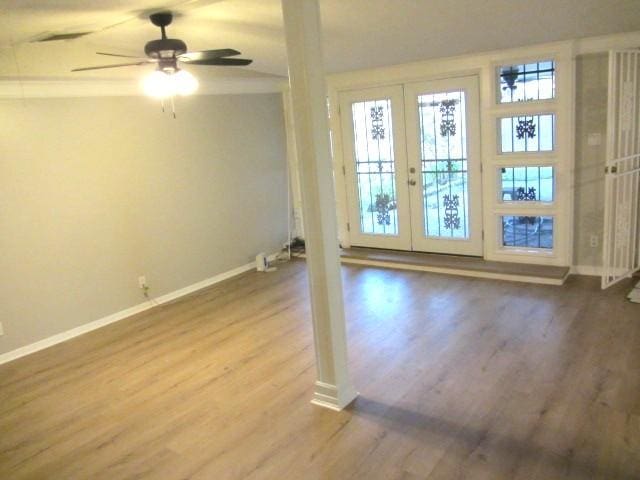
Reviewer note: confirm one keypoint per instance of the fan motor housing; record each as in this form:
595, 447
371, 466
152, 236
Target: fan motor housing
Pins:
165, 48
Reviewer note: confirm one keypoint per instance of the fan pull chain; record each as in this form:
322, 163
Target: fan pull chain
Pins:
173, 106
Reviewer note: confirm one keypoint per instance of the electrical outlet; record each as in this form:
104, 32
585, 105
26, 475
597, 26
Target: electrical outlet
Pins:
142, 282
594, 241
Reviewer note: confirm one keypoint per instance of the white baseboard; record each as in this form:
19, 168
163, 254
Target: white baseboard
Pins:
590, 270
331, 397
126, 313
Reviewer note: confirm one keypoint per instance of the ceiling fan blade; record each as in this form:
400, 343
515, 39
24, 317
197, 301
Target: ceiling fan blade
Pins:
143, 62
119, 55
222, 61
207, 54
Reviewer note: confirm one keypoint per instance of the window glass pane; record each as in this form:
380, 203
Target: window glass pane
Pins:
527, 82
443, 143
375, 169
527, 184
529, 133
527, 232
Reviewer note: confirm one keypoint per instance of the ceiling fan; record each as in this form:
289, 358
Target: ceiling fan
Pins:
168, 79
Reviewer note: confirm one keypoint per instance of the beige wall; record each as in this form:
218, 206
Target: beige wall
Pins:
591, 117
95, 192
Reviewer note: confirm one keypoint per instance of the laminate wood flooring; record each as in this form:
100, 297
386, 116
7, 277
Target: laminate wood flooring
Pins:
459, 378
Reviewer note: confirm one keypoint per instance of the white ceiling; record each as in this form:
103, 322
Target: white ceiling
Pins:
357, 33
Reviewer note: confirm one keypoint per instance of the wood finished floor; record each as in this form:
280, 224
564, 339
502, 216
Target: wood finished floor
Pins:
460, 378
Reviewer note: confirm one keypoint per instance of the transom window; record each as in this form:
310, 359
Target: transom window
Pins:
527, 82
527, 133
527, 231
526, 184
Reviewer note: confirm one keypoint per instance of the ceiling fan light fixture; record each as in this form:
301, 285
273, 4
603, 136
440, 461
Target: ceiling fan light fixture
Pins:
184, 83
160, 84
157, 84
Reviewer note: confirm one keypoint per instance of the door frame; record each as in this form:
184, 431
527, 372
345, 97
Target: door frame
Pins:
484, 65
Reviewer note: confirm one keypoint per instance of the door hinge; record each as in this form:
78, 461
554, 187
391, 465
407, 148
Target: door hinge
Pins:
481, 167
482, 234
348, 227
344, 170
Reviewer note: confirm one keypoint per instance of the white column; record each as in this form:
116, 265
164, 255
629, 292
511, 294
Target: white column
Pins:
333, 388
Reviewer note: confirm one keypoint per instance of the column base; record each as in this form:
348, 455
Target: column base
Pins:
331, 397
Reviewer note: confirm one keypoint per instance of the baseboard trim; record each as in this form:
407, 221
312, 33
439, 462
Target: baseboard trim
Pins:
589, 270
329, 396
121, 315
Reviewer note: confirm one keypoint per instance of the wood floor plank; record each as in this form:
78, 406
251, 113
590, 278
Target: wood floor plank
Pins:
458, 378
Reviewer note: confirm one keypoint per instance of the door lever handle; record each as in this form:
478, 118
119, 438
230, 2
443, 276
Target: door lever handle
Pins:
412, 182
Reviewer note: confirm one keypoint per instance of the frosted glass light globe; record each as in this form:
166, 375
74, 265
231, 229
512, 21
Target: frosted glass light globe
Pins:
158, 84
184, 83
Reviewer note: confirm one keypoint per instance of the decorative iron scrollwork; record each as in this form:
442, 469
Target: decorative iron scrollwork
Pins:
525, 127
528, 220
377, 119
510, 76
384, 204
528, 195
450, 165
448, 124
451, 213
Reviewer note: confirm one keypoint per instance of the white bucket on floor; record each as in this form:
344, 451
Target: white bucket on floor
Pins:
261, 262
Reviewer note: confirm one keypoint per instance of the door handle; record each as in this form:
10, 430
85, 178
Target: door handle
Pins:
412, 182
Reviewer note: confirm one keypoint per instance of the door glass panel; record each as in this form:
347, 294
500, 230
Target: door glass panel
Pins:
526, 184
527, 232
443, 146
375, 168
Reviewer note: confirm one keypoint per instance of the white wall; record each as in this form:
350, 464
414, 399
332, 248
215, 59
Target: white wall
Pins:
591, 117
97, 191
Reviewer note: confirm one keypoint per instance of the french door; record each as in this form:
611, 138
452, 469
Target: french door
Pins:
412, 166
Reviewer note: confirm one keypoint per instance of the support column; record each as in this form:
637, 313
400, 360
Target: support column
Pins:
333, 388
